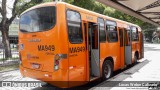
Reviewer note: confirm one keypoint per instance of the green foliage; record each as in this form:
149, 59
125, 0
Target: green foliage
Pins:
23, 5
47, 1
69, 1
92, 5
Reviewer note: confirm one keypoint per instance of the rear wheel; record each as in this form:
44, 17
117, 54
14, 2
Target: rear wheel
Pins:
107, 70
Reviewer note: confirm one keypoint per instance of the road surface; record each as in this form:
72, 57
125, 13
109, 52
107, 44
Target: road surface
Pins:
148, 69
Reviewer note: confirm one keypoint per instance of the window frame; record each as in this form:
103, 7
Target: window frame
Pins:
68, 26
107, 31
45, 29
104, 30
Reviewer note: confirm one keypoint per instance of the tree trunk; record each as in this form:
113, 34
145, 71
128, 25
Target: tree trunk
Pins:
5, 41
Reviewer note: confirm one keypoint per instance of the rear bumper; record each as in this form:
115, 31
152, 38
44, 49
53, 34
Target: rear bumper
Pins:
54, 78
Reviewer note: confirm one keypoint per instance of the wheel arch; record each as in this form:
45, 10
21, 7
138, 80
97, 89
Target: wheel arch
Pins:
110, 59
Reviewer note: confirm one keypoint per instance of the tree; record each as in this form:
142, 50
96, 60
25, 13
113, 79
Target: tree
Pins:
18, 7
88, 4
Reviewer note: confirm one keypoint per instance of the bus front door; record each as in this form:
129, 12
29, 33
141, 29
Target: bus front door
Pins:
93, 50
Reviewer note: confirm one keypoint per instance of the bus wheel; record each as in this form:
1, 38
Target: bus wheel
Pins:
107, 70
135, 59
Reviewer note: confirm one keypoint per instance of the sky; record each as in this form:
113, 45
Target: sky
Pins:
9, 5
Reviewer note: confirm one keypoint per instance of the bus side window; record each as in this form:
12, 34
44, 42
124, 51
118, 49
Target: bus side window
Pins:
121, 37
129, 38
74, 27
102, 37
111, 31
135, 36
95, 37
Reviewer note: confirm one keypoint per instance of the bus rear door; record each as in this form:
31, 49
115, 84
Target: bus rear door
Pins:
128, 46
91, 32
94, 53
125, 46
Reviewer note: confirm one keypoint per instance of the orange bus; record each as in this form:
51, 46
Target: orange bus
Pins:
62, 44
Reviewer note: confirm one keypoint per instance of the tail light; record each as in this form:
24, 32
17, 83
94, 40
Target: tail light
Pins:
56, 61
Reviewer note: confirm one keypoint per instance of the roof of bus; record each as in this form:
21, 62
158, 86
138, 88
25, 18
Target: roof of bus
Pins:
78, 8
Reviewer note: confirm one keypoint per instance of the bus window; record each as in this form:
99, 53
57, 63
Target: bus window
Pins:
134, 34
121, 37
39, 19
102, 31
94, 37
74, 27
111, 31
129, 35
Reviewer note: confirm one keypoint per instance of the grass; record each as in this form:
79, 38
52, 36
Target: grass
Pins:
10, 67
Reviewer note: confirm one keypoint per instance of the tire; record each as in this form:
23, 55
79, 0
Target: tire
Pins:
107, 70
135, 59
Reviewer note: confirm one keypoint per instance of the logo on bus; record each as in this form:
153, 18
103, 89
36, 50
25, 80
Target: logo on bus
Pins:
46, 47
29, 56
76, 49
34, 40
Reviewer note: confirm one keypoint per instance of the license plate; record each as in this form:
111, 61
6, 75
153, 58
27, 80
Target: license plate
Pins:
36, 66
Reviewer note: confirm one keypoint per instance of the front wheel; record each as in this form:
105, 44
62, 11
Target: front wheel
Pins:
107, 70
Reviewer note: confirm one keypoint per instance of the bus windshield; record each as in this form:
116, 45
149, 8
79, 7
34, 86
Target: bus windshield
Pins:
39, 19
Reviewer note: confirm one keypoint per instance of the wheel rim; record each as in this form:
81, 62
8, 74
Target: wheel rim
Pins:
107, 70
